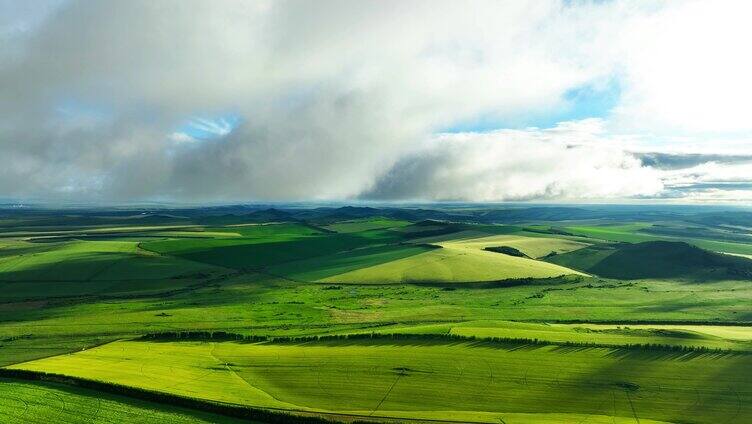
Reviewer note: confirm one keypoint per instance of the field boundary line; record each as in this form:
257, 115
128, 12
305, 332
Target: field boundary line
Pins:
238, 376
62, 352
631, 405
438, 338
386, 395
269, 415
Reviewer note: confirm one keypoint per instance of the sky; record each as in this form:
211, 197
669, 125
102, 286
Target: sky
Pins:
487, 101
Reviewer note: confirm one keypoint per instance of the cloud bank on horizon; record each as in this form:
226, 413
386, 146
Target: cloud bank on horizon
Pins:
235, 100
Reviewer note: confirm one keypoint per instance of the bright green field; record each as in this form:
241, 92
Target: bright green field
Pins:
42, 403
44, 270
720, 337
320, 267
261, 246
366, 225
455, 261
630, 233
91, 260
62, 297
626, 233
472, 382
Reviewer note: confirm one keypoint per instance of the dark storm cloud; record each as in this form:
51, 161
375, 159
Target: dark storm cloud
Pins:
671, 161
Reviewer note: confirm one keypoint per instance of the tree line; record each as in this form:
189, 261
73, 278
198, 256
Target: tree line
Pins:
515, 341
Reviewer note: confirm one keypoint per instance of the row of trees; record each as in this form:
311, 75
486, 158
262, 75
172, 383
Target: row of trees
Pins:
437, 337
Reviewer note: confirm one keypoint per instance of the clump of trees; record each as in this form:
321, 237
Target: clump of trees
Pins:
507, 250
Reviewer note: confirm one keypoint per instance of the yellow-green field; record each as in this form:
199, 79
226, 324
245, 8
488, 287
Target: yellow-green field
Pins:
535, 247
23, 402
464, 261
347, 336
737, 338
473, 382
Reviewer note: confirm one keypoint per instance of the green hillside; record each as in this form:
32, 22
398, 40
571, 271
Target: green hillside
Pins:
454, 262
656, 259
372, 314
424, 379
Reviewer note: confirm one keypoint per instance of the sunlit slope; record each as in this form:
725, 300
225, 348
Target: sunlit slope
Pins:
534, 247
469, 382
187, 369
454, 261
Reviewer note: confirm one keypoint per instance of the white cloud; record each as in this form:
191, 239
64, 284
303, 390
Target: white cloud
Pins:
686, 69
334, 94
521, 165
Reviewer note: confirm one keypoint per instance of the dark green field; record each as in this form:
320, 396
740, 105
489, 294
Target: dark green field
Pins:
457, 314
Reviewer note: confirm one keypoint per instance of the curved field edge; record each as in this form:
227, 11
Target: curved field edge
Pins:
420, 376
165, 408
243, 412
452, 264
677, 340
31, 392
37, 400
622, 335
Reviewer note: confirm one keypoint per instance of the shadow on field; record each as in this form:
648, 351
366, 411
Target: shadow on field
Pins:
416, 342
90, 401
380, 342
506, 283
647, 354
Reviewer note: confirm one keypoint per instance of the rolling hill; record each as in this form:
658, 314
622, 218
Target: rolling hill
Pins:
655, 259
454, 262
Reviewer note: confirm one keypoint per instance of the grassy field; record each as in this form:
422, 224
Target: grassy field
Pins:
422, 379
263, 246
656, 259
74, 268
631, 233
263, 305
460, 261
534, 247
734, 338
74, 294
366, 225
321, 267
42, 403
91, 261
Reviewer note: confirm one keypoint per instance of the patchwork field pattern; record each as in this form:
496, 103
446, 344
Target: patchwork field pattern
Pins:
378, 315
420, 379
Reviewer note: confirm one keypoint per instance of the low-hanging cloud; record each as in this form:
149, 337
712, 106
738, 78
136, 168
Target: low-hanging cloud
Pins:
517, 165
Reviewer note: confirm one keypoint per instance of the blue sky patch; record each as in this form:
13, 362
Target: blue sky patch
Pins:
208, 128
586, 101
